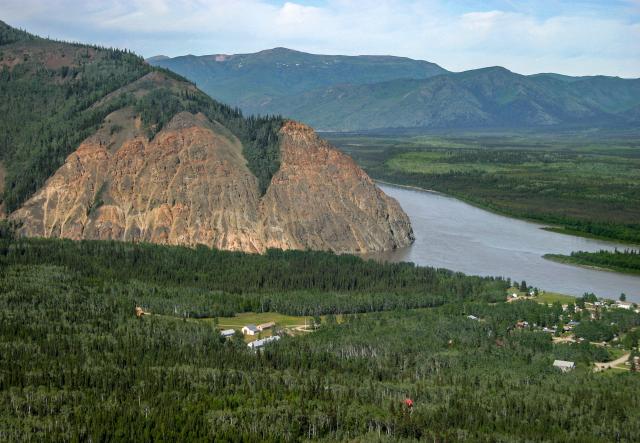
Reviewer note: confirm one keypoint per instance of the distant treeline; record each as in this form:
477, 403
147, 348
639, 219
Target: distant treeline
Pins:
622, 261
348, 283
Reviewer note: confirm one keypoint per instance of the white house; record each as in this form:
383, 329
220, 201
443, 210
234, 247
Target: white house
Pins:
227, 333
624, 304
564, 366
472, 317
260, 343
250, 330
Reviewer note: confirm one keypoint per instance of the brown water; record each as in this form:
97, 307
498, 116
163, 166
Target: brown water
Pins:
454, 235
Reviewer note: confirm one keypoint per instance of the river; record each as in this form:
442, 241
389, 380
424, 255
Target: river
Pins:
455, 235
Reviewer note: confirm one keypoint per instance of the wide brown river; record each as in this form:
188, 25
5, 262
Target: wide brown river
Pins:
455, 235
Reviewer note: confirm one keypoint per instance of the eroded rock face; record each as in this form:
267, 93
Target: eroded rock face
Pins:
190, 185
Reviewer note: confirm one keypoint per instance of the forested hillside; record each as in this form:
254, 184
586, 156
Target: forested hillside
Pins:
484, 98
55, 94
336, 93
76, 363
252, 81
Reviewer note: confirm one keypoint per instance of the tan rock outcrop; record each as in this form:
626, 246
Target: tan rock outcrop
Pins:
190, 185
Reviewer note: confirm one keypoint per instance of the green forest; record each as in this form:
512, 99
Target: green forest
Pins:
627, 261
585, 184
56, 94
76, 364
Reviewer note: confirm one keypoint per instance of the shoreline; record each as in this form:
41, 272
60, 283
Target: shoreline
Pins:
565, 259
558, 229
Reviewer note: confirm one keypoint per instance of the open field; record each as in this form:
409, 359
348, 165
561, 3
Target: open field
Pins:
584, 184
245, 318
552, 297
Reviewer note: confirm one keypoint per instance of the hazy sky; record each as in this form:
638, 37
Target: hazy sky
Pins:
577, 37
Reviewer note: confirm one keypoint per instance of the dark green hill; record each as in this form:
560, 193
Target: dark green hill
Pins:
366, 93
251, 81
55, 94
490, 97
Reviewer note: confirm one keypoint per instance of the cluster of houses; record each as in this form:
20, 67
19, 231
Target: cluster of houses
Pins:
255, 330
252, 330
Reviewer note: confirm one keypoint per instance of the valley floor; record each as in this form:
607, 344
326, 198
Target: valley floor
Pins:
76, 363
584, 184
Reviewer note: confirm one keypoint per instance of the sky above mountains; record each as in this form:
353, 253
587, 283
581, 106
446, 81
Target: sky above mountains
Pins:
578, 37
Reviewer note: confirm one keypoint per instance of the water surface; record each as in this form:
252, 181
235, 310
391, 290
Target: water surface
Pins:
455, 235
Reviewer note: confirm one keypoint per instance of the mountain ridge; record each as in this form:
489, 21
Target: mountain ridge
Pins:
490, 97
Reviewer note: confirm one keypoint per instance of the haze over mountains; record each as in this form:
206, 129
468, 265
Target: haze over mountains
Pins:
356, 93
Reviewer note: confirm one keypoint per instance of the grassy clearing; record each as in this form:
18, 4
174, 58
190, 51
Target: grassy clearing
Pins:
552, 297
245, 318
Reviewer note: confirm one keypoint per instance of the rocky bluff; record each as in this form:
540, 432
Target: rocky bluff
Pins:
190, 185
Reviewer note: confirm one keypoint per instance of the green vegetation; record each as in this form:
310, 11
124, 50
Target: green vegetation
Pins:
76, 364
340, 93
244, 318
249, 80
588, 184
627, 261
553, 297
55, 94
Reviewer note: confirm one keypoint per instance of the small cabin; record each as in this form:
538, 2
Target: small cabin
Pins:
250, 330
261, 343
564, 366
265, 326
228, 333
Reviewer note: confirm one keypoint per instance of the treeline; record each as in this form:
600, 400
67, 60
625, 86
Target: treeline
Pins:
76, 365
347, 283
627, 260
259, 135
46, 113
563, 204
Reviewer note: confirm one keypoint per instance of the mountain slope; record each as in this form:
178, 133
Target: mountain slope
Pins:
135, 153
490, 97
367, 93
251, 81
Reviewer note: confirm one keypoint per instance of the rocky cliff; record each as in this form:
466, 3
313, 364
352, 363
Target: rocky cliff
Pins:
190, 185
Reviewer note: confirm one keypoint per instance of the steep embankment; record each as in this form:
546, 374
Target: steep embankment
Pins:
99, 145
190, 185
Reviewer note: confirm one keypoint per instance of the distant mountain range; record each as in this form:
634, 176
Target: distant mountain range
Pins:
355, 93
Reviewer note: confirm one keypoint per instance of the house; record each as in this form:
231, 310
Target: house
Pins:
227, 333
472, 317
265, 326
262, 342
624, 304
564, 366
250, 330
522, 324
550, 330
